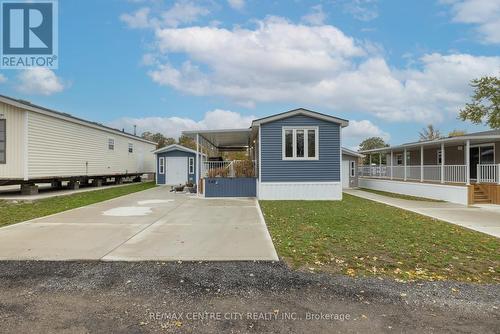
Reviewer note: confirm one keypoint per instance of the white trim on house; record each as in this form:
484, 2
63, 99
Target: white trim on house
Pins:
347, 151
449, 193
294, 142
191, 165
300, 191
161, 165
301, 111
174, 147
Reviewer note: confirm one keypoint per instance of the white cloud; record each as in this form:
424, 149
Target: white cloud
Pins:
483, 13
236, 4
138, 19
357, 131
363, 10
3, 78
181, 12
316, 17
173, 126
39, 80
314, 65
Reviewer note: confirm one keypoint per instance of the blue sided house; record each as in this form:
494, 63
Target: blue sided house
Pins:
175, 165
295, 155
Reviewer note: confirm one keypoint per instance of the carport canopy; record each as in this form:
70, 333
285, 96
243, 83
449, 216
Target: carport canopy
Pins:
224, 140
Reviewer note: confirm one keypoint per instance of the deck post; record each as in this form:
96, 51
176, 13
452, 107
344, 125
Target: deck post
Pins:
467, 162
442, 162
380, 164
421, 163
370, 164
392, 153
404, 162
197, 164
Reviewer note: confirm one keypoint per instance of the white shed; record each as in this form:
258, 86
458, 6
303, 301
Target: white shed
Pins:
42, 145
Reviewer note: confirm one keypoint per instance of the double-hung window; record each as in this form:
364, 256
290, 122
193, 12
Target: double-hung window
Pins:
300, 143
111, 144
130, 148
3, 141
191, 165
161, 165
353, 168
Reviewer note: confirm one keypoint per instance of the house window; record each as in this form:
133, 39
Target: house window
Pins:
130, 148
353, 168
439, 157
191, 165
399, 159
408, 158
161, 166
111, 144
3, 141
300, 143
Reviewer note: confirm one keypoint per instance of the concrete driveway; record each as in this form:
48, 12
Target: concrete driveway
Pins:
149, 225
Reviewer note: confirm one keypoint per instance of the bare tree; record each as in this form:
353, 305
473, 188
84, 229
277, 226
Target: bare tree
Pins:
429, 133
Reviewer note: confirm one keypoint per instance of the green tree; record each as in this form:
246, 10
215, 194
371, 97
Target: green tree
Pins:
457, 133
158, 138
429, 133
370, 144
187, 142
485, 105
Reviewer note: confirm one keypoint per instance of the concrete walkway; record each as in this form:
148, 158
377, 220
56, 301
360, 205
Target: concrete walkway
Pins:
482, 219
154, 224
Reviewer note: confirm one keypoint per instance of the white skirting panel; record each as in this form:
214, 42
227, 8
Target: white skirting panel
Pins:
300, 190
449, 193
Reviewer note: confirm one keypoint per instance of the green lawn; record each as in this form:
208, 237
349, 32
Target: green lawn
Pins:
401, 196
356, 236
11, 213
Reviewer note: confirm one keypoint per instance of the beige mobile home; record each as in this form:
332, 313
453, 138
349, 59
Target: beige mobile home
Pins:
41, 145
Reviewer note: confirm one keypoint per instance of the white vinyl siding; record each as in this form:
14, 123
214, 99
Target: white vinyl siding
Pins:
61, 148
300, 143
13, 168
3, 140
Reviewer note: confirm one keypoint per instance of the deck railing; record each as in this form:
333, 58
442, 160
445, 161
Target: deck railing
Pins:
233, 168
488, 173
431, 173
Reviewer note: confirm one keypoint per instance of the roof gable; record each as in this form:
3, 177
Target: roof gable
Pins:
174, 147
300, 111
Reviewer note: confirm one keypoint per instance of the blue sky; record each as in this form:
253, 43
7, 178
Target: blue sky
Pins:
390, 67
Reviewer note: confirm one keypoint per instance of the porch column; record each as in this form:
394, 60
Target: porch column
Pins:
442, 162
421, 163
404, 163
370, 164
467, 162
391, 162
197, 174
380, 164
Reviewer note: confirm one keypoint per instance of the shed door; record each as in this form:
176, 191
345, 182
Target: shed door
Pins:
176, 170
345, 174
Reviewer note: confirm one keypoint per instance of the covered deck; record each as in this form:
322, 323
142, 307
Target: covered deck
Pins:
470, 160
227, 164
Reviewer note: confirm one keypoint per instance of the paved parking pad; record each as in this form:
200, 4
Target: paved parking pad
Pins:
150, 225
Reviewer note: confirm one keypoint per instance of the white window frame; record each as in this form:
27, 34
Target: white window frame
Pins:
4, 140
439, 157
114, 144
352, 166
161, 165
294, 143
486, 144
191, 165
130, 148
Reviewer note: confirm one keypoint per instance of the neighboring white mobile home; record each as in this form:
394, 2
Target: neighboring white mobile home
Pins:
41, 145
